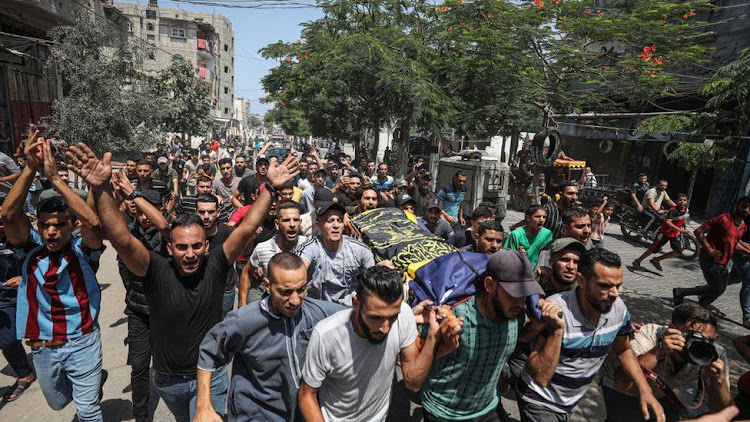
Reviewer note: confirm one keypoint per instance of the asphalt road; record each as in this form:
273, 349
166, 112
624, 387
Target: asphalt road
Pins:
647, 294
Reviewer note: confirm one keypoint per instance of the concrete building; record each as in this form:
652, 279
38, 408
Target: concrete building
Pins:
239, 124
205, 40
28, 86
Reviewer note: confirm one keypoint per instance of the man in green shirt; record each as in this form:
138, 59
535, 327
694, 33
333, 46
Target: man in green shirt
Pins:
531, 238
463, 384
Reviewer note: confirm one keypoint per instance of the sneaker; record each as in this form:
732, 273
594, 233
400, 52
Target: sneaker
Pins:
656, 264
676, 297
636, 264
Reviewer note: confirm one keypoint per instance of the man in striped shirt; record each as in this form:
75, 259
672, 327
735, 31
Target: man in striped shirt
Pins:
563, 363
59, 296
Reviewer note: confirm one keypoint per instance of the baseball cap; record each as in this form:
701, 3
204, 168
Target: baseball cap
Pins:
427, 176
333, 166
402, 184
564, 243
433, 203
262, 160
163, 160
512, 270
323, 194
320, 171
404, 198
152, 196
325, 206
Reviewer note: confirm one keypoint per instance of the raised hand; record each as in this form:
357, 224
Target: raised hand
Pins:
97, 173
280, 174
121, 181
50, 164
33, 149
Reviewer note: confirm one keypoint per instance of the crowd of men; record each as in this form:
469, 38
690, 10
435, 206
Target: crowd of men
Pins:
250, 296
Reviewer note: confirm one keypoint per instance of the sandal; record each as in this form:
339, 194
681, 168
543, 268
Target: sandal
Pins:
16, 390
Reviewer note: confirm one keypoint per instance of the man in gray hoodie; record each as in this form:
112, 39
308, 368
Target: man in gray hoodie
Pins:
267, 366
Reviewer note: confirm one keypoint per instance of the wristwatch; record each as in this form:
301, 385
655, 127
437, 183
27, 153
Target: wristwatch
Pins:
136, 193
271, 189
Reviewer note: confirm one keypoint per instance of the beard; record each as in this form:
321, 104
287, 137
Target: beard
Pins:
602, 306
368, 334
557, 275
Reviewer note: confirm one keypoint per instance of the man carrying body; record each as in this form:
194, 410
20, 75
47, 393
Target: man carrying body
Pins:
185, 292
563, 362
463, 384
333, 259
718, 238
352, 355
265, 377
286, 238
452, 195
58, 279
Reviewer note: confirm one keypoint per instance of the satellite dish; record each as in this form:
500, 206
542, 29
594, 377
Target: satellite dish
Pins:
606, 146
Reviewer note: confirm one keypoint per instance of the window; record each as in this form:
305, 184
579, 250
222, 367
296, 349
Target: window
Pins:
226, 69
178, 32
150, 14
226, 110
226, 47
226, 90
128, 26
150, 27
151, 56
177, 59
150, 37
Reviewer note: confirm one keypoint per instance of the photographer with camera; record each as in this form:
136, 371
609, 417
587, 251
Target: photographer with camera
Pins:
688, 370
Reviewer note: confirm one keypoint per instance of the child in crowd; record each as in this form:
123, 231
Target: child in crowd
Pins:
600, 213
673, 225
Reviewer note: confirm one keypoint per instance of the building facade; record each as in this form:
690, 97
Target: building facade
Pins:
205, 40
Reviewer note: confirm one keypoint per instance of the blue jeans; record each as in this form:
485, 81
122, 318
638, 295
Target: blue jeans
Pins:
228, 302
179, 393
72, 371
12, 348
742, 269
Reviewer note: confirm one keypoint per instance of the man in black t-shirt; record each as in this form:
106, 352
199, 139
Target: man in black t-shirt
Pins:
206, 168
146, 181
185, 291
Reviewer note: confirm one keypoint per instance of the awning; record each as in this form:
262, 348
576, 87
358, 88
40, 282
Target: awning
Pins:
570, 164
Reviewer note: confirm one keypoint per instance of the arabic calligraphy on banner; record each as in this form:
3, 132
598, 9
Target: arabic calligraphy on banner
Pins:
394, 235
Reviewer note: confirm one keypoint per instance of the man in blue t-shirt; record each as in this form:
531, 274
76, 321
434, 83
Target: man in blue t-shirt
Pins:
453, 196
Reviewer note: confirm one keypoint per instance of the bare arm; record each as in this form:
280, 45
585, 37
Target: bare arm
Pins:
743, 247
152, 213
10, 178
17, 226
602, 206
544, 357
742, 344
277, 177
307, 400
700, 234
265, 148
98, 175
629, 365
245, 279
718, 390
236, 199
204, 411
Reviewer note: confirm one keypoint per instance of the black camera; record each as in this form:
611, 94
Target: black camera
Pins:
699, 350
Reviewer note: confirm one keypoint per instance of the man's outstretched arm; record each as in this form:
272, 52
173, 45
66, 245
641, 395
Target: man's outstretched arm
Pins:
17, 226
98, 175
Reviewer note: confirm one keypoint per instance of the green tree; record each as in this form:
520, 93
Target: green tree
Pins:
107, 103
363, 66
189, 105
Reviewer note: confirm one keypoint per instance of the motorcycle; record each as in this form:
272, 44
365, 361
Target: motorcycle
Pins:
632, 228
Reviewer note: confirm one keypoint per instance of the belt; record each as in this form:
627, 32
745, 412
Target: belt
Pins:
45, 343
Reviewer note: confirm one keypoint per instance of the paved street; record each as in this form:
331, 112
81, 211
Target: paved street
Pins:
648, 295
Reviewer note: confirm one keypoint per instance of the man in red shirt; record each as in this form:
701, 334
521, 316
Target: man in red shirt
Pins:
673, 225
718, 238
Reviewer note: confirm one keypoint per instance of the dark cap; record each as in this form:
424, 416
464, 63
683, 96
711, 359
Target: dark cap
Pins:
325, 206
404, 198
261, 160
433, 203
427, 176
513, 271
152, 196
564, 243
320, 171
322, 194
333, 166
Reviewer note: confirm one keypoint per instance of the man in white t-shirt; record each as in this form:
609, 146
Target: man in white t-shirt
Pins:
351, 357
652, 203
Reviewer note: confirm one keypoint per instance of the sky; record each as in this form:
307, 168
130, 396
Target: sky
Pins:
253, 30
